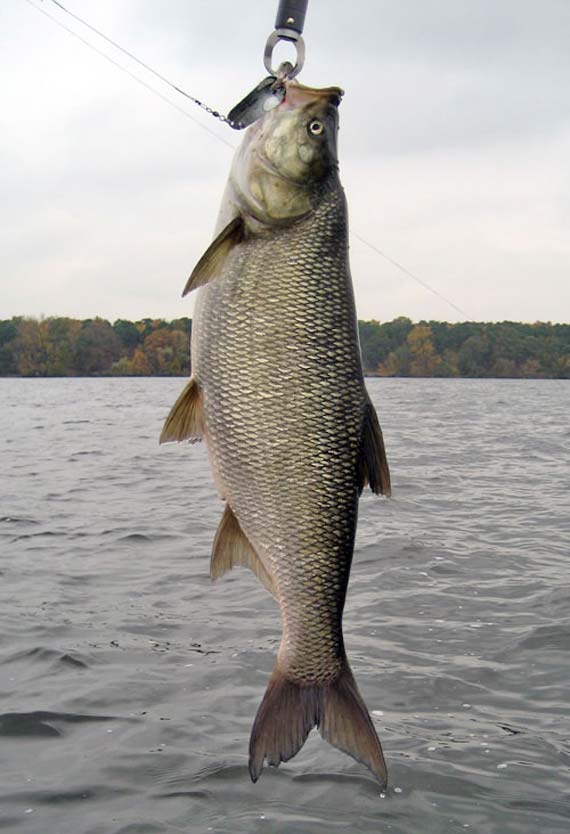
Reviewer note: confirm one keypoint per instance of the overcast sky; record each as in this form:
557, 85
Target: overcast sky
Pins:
454, 144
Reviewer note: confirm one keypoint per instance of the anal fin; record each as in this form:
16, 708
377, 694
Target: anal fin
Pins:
231, 548
372, 463
186, 418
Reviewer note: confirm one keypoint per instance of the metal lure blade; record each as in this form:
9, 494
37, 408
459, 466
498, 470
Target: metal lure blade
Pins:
267, 95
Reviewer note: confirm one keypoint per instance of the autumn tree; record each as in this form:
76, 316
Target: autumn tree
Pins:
167, 352
397, 363
473, 357
61, 336
8, 336
31, 348
97, 347
424, 360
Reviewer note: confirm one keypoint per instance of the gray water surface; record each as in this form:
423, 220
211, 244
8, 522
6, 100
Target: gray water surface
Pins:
129, 682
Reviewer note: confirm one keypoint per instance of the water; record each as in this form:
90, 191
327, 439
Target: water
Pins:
129, 683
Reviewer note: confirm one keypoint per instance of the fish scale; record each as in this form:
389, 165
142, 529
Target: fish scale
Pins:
314, 441
278, 394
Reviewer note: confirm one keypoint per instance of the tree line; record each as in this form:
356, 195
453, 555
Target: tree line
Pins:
94, 347
59, 346
468, 349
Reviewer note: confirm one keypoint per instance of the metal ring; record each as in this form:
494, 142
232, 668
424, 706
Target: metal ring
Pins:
284, 35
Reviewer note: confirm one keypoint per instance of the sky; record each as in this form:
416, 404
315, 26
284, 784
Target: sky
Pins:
454, 152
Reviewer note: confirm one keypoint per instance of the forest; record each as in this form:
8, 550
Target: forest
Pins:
58, 346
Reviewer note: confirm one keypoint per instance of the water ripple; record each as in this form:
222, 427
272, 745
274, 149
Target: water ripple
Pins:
129, 682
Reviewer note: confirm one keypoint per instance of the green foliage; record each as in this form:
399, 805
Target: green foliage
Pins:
93, 347
469, 349
60, 346
8, 331
128, 333
96, 348
378, 341
8, 335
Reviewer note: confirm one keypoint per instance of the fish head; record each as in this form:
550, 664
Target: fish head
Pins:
288, 155
299, 138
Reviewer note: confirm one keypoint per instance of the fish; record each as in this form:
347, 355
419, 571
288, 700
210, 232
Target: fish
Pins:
277, 392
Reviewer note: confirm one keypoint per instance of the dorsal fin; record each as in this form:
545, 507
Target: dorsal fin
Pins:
186, 418
211, 262
231, 547
372, 463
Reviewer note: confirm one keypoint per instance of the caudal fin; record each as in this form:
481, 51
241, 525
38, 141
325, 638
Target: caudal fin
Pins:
290, 710
347, 725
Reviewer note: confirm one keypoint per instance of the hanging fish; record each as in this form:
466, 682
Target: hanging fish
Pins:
278, 394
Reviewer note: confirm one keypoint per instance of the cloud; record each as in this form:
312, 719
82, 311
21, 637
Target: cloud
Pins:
454, 135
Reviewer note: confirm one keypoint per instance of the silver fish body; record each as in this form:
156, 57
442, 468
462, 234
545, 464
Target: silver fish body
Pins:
278, 393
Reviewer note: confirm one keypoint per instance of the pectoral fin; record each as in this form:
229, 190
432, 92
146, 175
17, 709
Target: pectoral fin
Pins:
186, 418
212, 260
231, 547
373, 464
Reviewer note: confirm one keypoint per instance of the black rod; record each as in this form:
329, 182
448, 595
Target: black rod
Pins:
291, 15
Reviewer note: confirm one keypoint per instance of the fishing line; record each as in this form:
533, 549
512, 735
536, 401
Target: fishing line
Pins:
207, 109
410, 274
132, 75
182, 92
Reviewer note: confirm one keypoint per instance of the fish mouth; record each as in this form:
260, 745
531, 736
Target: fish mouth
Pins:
297, 94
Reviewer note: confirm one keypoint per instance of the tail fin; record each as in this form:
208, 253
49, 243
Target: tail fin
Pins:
347, 725
290, 710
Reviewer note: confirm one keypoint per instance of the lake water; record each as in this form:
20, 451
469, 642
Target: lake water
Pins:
129, 682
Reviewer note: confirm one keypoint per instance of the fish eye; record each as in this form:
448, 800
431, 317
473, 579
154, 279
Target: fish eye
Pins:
315, 127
